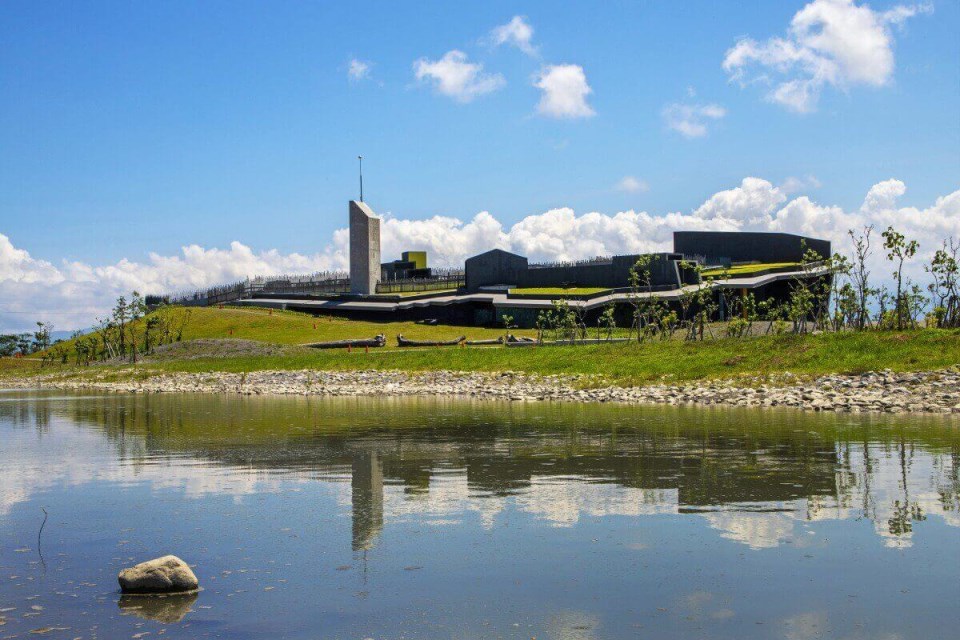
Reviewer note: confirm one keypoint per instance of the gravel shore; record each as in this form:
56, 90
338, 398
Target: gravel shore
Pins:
882, 391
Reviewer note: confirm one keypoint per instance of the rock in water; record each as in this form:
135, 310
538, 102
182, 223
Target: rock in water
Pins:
168, 574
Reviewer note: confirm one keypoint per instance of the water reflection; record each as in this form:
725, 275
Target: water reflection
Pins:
381, 518
165, 609
751, 476
367, 499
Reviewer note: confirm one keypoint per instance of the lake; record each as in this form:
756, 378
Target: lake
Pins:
420, 518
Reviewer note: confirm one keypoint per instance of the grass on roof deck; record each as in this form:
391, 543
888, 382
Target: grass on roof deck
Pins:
559, 291
748, 269
410, 294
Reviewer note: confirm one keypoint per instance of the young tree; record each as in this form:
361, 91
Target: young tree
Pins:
41, 337
806, 294
120, 322
840, 269
945, 288
899, 250
607, 321
646, 308
564, 320
135, 311
544, 324
860, 275
8, 345
507, 324
580, 319
686, 297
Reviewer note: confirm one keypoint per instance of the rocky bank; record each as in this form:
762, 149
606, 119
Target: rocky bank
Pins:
881, 391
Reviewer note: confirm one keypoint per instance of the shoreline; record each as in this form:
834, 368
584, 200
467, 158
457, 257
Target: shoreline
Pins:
930, 392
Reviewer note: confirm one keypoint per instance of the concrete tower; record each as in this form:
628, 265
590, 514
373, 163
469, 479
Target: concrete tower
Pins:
364, 249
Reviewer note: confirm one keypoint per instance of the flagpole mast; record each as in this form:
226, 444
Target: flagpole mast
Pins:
360, 158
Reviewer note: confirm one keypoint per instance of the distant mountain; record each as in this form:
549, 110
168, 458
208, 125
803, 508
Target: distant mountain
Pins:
66, 335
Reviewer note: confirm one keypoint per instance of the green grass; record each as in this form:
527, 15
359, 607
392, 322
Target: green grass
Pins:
411, 294
435, 292
625, 363
748, 269
293, 328
640, 363
13, 367
559, 291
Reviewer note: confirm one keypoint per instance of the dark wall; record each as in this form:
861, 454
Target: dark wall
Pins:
735, 246
501, 267
614, 274
494, 267
398, 269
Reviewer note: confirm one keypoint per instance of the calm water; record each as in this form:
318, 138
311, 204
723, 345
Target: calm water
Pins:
310, 518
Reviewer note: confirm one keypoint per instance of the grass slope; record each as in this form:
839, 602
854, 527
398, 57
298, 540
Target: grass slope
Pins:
639, 363
291, 327
625, 363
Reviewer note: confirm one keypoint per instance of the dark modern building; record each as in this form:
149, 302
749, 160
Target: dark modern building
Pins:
728, 247
499, 268
498, 282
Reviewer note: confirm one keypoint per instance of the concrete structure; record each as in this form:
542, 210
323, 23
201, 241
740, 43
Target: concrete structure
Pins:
412, 264
722, 248
502, 268
487, 289
486, 308
364, 249
418, 258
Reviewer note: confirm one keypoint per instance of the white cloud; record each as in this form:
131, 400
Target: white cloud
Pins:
517, 32
17, 266
565, 92
829, 42
358, 70
690, 120
455, 77
448, 240
793, 184
72, 294
630, 184
899, 14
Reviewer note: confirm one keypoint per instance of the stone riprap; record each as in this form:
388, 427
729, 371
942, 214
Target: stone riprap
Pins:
882, 391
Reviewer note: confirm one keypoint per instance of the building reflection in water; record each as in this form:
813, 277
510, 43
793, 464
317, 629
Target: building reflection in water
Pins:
751, 475
367, 493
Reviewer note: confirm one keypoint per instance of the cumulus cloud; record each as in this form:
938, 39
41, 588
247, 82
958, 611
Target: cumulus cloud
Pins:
793, 184
829, 42
517, 33
565, 92
455, 77
690, 120
630, 184
358, 70
73, 294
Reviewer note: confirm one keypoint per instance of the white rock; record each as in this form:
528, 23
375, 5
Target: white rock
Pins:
168, 574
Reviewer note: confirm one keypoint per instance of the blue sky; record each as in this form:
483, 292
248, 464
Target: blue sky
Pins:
130, 128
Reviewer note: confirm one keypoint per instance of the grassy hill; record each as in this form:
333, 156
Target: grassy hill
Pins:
291, 327
638, 363
220, 339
